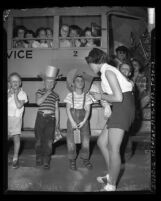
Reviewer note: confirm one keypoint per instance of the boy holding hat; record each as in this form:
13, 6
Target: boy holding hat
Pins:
78, 111
47, 119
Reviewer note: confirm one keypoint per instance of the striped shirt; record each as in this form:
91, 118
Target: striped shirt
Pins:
49, 102
78, 100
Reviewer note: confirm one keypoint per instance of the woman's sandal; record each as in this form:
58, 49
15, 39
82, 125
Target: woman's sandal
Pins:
73, 165
103, 179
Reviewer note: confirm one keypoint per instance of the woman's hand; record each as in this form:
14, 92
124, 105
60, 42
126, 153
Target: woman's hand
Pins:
97, 96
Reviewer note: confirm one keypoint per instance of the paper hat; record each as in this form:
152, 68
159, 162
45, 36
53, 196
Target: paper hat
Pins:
50, 73
73, 74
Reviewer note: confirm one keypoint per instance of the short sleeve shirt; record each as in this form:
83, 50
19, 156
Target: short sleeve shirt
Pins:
49, 102
13, 111
78, 100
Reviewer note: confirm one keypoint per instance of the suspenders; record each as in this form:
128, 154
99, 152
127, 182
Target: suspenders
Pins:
84, 99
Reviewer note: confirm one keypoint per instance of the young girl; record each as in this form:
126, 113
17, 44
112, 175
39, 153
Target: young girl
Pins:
16, 100
78, 111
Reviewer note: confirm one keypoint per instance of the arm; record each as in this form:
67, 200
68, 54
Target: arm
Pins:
87, 109
19, 103
57, 115
40, 99
116, 96
73, 123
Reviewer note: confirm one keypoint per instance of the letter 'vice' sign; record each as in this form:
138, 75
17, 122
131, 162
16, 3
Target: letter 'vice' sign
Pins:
19, 54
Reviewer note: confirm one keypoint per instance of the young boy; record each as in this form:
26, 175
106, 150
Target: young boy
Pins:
16, 100
127, 70
47, 119
78, 111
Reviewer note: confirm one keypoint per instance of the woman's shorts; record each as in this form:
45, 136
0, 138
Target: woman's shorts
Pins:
14, 125
123, 113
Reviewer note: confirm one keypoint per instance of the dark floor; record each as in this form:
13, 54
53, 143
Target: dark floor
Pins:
135, 171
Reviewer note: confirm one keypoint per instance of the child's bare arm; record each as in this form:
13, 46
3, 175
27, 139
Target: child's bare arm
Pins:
57, 115
41, 98
73, 123
19, 103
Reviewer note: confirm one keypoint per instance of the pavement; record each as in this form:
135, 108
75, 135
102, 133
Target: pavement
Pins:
135, 171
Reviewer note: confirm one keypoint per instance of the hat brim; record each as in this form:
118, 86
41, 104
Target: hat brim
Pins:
73, 74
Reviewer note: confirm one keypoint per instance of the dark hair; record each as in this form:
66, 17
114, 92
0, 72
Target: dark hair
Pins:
15, 32
14, 74
122, 49
38, 31
97, 56
48, 28
29, 32
76, 28
141, 67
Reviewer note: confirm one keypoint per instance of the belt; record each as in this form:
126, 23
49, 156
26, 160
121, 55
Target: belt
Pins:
46, 115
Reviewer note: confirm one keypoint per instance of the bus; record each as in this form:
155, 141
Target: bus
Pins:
109, 27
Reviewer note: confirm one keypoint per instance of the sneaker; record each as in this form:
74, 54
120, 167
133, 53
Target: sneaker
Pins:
46, 166
109, 187
15, 164
72, 164
87, 164
103, 179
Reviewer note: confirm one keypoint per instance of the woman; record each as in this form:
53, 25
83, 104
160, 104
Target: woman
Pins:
117, 90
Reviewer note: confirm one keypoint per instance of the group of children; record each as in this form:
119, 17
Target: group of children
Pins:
78, 105
26, 38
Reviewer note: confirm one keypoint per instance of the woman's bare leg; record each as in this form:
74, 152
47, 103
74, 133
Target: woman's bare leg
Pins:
102, 143
115, 139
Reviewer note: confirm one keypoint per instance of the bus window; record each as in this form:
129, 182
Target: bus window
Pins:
80, 31
33, 32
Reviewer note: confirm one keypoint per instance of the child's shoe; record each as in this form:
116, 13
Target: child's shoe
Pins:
15, 164
87, 164
103, 179
72, 164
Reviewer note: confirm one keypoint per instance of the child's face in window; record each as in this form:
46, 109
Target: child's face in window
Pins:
49, 33
15, 82
29, 35
89, 34
79, 83
42, 34
121, 55
20, 33
125, 70
136, 66
64, 31
73, 33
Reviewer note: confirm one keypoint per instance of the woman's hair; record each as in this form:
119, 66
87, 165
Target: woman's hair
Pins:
97, 56
141, 67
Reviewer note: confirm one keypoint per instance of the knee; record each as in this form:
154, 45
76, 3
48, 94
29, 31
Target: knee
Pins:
100, 142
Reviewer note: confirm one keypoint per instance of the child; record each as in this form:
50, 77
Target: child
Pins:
29, 34
64, 32
75, 31
49, 34
41, 42
107, 109
88, 42
78, 111
121, 56
19, 42
47, 119
16, 100
127, 70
